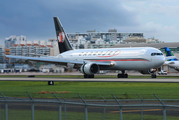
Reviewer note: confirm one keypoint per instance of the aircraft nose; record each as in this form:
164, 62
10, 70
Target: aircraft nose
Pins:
161, 61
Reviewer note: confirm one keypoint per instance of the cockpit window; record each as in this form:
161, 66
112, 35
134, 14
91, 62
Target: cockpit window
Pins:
159, 54
153, 54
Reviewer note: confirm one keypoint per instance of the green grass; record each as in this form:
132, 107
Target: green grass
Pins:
88, 90
53, 115
91, 90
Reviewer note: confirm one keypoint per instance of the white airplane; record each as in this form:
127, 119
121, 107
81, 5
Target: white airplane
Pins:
90, 61
172, 62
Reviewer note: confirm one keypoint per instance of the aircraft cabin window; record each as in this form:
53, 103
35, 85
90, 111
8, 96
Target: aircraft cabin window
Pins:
159, 54
85, 54
81, 54
109, 52
115, 52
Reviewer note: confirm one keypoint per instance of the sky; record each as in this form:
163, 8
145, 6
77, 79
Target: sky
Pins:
34, 18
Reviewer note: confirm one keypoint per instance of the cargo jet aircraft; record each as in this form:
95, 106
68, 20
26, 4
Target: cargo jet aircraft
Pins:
90, 61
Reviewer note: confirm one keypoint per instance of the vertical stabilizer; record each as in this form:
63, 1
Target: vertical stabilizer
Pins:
63, 42
169, 53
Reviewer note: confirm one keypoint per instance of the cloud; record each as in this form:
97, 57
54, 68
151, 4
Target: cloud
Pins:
34, 18
92, 14
164, 32
170, 11
158, 18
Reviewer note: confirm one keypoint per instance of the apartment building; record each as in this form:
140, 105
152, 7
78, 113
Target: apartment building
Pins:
18, 45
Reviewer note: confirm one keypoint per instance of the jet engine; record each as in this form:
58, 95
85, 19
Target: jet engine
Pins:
89, 68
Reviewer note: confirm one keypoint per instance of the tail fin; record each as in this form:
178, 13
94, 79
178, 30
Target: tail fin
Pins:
169, 54
63, 42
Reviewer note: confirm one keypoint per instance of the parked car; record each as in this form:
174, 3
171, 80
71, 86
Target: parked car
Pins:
162, 72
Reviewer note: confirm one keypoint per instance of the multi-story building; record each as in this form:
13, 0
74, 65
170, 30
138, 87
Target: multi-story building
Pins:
140, 40
29, 51
105, 39
10, 41
1, 54
20, 46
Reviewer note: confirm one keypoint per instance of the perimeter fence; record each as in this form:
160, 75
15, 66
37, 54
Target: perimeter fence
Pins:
82, 109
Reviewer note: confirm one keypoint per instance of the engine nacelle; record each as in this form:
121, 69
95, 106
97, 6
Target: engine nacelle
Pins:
89, 68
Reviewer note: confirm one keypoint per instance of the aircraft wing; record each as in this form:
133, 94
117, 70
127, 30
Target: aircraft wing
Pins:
46, 59
55, 60
36, 54
170, 57
169, 62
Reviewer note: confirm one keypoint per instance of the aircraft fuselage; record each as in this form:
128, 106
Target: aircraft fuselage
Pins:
122, 58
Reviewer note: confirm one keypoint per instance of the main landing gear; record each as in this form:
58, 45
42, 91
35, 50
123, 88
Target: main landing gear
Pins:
122, 75
88, 76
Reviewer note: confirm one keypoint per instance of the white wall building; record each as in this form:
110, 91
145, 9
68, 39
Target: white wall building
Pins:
18, 45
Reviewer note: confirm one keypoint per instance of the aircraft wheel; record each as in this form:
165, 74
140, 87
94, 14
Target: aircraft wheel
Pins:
91, 76
118, 75
85, 76
88, 76
122, 75
125, 75
153, 76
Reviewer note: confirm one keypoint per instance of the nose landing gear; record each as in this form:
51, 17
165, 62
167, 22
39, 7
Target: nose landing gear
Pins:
153, 75
122, 75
